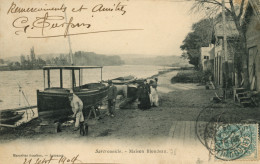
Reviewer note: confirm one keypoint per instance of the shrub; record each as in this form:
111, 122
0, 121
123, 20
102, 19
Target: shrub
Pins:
191, 76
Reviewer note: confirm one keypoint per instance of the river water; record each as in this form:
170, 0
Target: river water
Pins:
31, 80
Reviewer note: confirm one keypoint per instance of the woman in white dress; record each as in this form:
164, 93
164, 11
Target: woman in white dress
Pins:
154, 95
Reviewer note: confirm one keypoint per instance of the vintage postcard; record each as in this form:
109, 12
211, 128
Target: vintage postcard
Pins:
129, 81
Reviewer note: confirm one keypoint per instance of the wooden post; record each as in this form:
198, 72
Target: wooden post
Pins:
61, 79
73, 79
225, 50
79, 78
43, 79
101, 74
48, 76
224, 30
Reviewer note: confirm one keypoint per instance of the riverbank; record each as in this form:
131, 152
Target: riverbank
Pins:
178, 102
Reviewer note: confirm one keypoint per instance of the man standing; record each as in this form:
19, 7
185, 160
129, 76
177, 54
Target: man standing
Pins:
77, 107
112, 93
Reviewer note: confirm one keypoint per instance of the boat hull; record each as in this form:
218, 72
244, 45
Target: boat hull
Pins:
124, 80
12, 118
58, 102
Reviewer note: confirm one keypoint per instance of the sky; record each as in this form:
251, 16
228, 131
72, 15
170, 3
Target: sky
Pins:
159, 26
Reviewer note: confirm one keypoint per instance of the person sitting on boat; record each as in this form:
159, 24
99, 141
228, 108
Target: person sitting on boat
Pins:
111, 97
77, 107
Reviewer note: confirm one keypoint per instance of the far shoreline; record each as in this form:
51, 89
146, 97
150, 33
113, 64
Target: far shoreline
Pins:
168, 67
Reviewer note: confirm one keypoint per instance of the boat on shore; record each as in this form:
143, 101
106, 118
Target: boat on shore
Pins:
124, 80
55, 100
126, 87
10, 117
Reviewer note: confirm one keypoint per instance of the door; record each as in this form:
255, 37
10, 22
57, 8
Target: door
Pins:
252, 67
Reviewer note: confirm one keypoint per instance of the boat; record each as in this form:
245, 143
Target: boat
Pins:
55, 100
124, 80
126, 87
10, 116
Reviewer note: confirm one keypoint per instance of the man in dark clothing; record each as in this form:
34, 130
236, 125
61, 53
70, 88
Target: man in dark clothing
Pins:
112, 93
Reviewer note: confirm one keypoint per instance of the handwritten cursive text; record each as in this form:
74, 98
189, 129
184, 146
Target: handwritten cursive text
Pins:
15, 9
47, 23
52, 160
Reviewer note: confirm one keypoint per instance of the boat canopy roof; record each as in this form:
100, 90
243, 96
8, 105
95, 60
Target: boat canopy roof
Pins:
71, 67
76, 80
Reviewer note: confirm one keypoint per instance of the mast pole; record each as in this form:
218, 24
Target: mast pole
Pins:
70, 53
68, 35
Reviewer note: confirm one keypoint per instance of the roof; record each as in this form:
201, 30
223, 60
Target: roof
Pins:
231, 29
255, 5
71, 67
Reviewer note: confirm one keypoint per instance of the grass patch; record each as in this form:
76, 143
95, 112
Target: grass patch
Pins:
192, 76
187, 76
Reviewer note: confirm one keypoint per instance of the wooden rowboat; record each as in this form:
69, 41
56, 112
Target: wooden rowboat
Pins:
124, 80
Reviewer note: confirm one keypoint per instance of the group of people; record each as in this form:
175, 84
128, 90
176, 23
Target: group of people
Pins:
147, 94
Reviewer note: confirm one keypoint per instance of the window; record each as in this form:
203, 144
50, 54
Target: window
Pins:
206, 57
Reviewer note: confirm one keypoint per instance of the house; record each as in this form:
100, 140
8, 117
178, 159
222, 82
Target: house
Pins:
207, 58
4, 67
251, 25
219, 58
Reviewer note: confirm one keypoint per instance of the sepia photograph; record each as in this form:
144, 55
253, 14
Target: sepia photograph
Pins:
129, 81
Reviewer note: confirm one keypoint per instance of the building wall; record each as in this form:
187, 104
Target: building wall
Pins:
253, 45
208, 53
219, 61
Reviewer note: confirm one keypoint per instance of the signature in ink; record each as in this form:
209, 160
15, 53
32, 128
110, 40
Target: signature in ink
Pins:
46, 22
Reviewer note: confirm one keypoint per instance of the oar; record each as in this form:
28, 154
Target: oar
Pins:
25, 98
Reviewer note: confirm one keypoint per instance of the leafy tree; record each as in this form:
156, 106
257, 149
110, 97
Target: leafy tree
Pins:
235, 8
200, 37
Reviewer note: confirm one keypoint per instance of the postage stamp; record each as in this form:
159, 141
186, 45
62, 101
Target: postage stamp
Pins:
236, 141
226, 136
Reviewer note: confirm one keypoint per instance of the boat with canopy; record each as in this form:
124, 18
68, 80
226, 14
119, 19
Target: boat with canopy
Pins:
55, 100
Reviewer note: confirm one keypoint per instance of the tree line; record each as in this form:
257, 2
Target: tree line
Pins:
80, 58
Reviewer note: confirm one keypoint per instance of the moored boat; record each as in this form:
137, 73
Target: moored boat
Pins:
124, 80
126, 87
55, 100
